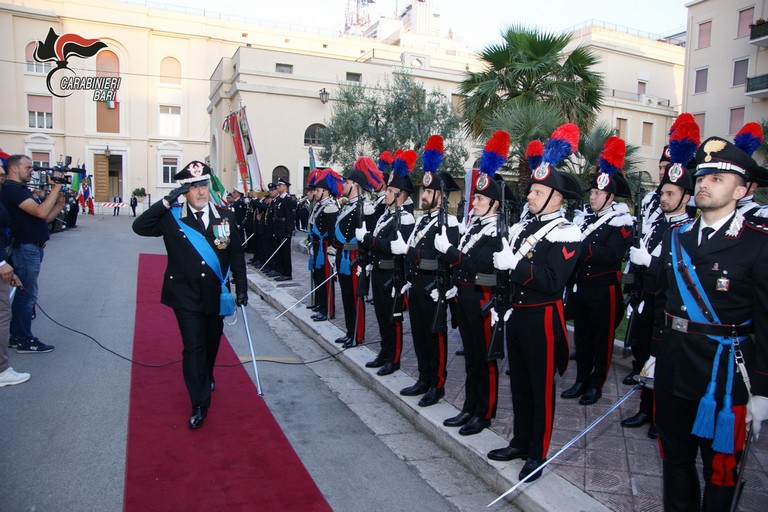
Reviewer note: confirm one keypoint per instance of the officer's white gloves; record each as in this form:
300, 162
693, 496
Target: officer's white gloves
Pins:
449, 294
398, 245
441, 241
506, 259
360, 233
403, 290
495, 316
640, 256
757, 412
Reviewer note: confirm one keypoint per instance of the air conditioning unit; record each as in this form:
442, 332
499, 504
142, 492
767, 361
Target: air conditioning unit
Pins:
649, 101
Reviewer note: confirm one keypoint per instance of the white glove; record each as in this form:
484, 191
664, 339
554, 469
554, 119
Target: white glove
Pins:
369, 268
495, 316
360, 233
441, 241
505, 259
358, 270
757, 412
434, 294
398, 245
331, 252
451, 293
405, 288
640, 256
648, 371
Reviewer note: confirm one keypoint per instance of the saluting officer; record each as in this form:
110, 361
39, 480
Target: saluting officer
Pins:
541, 253
597, 298
472, 261
363, 176
675, 191
423, 266
712, 294
383, 283
327, 185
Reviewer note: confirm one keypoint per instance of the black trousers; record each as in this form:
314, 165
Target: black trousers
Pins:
641, 349
391, 331
354, 306
682, 493
283, 256
481, 388
201, 335
325, 295
431, 348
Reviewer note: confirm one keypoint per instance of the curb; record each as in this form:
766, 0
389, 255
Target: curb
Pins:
550, 492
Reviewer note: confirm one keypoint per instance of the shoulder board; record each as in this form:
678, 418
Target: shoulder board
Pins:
368, 209
760, 228
406, 219
453, 221
761, 212
680, 224
580, 219
223, 209
621, 220
331, 208
565, 232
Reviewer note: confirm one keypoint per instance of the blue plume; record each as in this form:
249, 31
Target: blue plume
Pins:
432, 159
556, 151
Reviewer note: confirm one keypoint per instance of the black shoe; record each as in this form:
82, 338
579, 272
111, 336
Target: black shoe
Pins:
591, 396
313, 307
531, 465
574, 391
507, 454
629, 380
460, 352
432, 397
272, 273
419, 388
349, 343
459, 420
378, 362
474, 426
283, 278
653, 432
315, 316
343, 339
507, 372
197, 418
638, 420
320, 317
388, 368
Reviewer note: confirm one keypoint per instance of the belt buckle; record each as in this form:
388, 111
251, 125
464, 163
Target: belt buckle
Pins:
679, 324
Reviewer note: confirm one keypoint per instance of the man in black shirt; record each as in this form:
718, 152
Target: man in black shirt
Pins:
29, 230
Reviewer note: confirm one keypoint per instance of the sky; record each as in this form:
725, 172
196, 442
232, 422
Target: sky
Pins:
477, 25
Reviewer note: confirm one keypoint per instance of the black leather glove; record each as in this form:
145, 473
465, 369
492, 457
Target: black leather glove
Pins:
241, 299
175, 193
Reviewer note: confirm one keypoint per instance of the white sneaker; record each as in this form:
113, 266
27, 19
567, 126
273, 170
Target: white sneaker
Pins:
11, 377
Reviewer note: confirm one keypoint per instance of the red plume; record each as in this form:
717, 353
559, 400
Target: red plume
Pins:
568, 132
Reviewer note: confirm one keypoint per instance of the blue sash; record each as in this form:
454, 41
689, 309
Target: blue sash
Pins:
345, 266
226, 301
320, 256
705, 425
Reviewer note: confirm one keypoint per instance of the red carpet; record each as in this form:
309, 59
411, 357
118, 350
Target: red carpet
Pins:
240, 458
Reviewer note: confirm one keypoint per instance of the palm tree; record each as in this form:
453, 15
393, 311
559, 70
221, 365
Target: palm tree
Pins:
529, 66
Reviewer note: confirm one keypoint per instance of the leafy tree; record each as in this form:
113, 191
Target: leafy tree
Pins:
529, 66
365, 121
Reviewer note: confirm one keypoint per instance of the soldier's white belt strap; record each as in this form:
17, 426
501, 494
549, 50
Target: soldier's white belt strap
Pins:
602, 220
530, 242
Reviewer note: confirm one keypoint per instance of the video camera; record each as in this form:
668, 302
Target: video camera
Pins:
60, 174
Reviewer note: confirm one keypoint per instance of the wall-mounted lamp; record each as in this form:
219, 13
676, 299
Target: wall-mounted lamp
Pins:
324, 95
107, 152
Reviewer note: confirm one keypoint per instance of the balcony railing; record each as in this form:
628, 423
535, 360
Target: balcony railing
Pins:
758, 34
757, 87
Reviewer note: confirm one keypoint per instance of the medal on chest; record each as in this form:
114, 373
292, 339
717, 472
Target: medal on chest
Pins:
221, 231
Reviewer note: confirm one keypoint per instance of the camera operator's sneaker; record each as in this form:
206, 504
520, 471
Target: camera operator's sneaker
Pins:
33, 346
10, 377
12, 343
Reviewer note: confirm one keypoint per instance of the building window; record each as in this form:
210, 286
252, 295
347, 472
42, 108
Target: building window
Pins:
700, 84
170, 168
699, 118
740, 71
284, 68
354, 77
280, 172
32, 65
705, 31
621, 128
107, 112
457, 103
312, 135
170, 121
41, 159
170, 71
647, 134
736, 120
641, 87
40, 110
745, 20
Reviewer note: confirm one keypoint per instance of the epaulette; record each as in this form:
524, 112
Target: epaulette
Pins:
580, 219
462, 228
760, 228
331, 208
621, 220
368, 209
406, 219
452, 221
761, 212
565, 232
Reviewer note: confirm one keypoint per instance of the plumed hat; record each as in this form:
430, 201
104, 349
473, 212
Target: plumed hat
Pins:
683, 142
495, 154
329, 180
610, 163
366, 174
195, 172
401, 169
563, 142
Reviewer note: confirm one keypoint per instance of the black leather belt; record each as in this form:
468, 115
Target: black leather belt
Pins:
687, 326
38, 244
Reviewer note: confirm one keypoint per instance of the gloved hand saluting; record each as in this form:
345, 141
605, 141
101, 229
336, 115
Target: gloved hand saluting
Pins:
174, 194
441, 241
505, 259
398, 245
241, 299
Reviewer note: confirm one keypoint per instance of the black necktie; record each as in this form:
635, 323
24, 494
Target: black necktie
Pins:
705, 232
199, 216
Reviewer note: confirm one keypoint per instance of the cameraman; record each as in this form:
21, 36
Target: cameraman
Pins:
29, 232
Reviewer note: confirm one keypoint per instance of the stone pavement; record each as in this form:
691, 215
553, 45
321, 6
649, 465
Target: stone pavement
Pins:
611, 468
